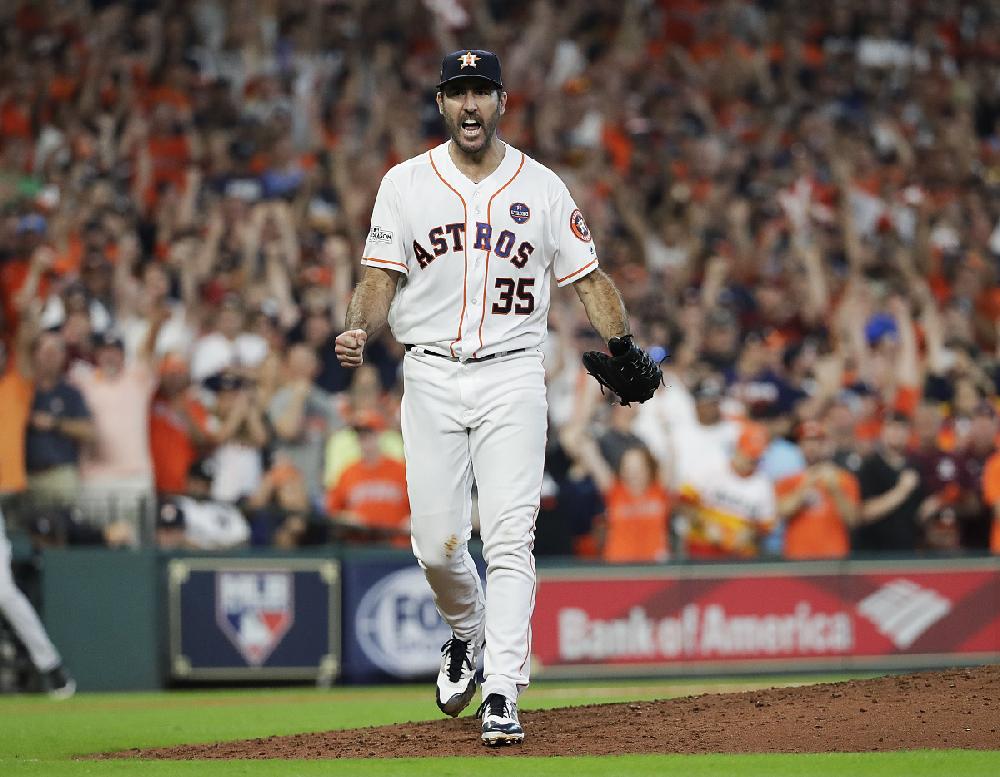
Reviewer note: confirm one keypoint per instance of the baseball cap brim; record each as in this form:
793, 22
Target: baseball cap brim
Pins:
469, 77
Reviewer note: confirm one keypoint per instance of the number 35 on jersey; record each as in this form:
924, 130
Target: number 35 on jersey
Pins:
476, 260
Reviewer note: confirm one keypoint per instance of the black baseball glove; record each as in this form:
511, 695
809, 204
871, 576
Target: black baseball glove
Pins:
628, 371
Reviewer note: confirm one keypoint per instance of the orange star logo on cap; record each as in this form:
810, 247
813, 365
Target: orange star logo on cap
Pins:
468, 59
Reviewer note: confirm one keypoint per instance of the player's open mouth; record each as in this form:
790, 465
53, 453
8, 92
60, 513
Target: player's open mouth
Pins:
470, 128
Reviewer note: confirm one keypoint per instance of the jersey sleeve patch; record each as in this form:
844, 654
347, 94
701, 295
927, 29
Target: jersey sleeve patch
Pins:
380, 235
579, 227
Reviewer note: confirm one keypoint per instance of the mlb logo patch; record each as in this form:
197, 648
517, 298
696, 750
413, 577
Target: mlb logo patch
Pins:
254, 610
520, 212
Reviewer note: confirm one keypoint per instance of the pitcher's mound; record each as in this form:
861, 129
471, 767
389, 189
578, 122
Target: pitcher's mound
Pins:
953, 709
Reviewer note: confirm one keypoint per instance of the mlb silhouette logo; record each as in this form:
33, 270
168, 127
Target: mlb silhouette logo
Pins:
254, 610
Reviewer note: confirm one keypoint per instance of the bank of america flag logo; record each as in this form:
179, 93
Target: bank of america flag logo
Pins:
254, 610
902, 610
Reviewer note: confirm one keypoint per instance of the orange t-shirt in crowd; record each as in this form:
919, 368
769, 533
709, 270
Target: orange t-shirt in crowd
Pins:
16, 393
376, 493
991, 495
169, 155
170, 444
818, 530
636, 524
15, 120
69, 257
906, 400
13, 274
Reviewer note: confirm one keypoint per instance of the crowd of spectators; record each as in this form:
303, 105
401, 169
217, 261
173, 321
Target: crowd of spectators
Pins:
799, 202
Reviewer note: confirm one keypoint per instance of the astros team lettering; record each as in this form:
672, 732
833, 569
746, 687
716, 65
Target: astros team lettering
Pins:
503, 247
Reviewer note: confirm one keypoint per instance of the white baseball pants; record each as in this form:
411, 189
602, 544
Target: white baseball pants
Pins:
22, 617
482, 422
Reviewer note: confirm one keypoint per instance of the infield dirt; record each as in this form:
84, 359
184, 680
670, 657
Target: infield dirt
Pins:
952, 709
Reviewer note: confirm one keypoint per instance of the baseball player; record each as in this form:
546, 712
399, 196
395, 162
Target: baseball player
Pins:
15, 607
465, 241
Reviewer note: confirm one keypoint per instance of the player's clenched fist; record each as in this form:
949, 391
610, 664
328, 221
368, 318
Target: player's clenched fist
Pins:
350, 346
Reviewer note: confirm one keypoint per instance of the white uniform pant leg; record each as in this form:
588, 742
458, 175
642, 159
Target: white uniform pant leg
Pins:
22, 617
508, 455
439, 484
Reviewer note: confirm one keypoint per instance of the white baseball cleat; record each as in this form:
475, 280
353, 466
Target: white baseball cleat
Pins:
500, 723
456, 681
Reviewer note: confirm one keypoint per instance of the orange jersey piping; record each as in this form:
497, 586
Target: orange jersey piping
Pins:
465, 251
486, 273
576, 272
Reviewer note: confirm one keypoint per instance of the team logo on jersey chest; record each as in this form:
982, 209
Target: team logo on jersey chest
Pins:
520, 213
578, 226
452, 237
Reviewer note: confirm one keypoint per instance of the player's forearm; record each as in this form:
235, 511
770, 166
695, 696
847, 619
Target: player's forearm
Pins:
369, 308
603, 304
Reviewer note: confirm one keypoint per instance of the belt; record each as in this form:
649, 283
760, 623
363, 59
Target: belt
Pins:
421, 349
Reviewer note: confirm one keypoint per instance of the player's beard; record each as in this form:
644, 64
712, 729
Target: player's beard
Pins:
487, 131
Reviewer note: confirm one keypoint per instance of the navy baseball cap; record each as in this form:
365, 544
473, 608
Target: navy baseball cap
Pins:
471, 63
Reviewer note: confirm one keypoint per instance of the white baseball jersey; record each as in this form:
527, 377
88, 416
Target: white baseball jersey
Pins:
475, 257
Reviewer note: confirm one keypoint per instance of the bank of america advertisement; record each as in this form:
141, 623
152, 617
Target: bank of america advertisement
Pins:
721, 618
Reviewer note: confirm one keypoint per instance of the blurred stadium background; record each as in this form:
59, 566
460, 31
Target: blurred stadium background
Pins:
798, 201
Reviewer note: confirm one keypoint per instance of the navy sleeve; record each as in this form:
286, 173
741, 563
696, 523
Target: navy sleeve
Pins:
76, 407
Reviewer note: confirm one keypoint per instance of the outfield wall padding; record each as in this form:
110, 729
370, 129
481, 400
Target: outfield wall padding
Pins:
766, 617
113, 615
104, 611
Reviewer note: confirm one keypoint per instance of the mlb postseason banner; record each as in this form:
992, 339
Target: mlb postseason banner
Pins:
773, 617
392, 630
254, 619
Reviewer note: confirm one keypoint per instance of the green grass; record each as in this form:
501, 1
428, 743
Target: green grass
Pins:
914, 764
41, 737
